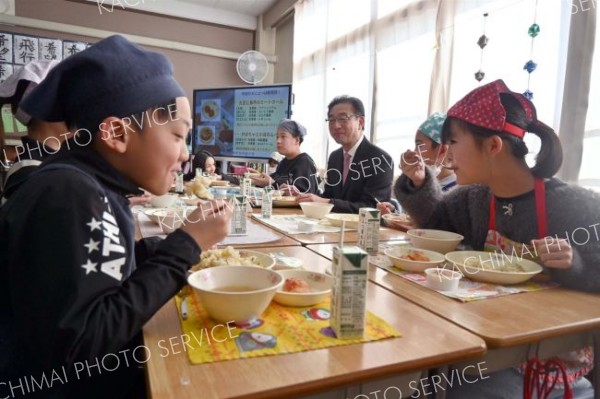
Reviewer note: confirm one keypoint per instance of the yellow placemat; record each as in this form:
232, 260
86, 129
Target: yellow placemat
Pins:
280, 330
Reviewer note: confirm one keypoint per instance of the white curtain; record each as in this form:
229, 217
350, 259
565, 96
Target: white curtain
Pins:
408, 58
587, 166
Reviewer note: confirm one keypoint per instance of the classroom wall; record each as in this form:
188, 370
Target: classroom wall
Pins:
193, 71
284, 48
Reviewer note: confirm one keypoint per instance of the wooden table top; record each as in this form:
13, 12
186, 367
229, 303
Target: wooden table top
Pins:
385, 233
503, 321
281, 242
427, 341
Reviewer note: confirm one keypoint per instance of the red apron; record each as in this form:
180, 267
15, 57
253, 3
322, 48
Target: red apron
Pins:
576, 363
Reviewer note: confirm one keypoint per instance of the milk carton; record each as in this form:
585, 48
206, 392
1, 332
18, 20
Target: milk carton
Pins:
368, 229
349, 293
245, 186
238, 219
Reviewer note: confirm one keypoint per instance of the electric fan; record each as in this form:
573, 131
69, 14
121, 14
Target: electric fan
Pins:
252, 67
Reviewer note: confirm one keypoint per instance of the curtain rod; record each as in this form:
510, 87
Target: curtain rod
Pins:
101, 34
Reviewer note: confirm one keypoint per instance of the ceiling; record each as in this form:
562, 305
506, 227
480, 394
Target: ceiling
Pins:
248, 7
236, 13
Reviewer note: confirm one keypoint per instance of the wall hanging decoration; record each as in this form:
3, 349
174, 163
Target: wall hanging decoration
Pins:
530, 65
482, 42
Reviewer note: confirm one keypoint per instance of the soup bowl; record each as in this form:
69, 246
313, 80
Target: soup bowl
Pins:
434, 240
235, 293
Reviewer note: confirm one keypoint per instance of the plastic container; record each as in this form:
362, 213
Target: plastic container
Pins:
443, 279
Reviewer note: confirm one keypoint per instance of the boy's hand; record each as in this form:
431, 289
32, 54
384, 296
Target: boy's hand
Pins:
385, 208
209, 223
290, 190
311, 198
262, 180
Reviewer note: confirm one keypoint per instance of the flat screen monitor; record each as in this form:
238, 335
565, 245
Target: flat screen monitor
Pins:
240, 122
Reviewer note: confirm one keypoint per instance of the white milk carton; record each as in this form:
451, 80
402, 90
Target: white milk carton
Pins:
349, 293
369, 220
246, 186
238, 219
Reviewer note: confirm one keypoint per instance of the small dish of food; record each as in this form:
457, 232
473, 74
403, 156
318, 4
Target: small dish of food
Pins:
399, 221
285, 202
219, 183
303, 288
336, 219
413, 259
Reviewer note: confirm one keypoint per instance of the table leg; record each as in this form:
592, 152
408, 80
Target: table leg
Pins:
440, 386
596, 372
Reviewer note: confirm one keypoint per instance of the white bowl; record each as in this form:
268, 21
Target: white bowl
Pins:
220, 192
163, 201
315, 210
497, 267
336, 219
319, 283
235, 293
398, 257
443, 279
434, 240
168, 219
191, 200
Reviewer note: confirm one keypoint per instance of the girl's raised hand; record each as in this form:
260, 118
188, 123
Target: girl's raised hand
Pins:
413, 167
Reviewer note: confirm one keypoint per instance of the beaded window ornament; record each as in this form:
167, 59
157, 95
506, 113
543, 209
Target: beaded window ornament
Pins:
530, 65
482, 42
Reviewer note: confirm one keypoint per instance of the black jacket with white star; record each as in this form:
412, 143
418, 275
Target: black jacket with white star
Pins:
75, 287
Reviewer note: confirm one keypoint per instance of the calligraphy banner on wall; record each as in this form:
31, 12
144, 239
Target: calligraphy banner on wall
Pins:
18, 49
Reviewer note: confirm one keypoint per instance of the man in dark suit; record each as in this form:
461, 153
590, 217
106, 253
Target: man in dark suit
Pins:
359, 173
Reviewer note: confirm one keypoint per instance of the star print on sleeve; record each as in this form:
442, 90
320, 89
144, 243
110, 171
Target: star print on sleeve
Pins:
94, 224
92, 246
89, 267
105, 252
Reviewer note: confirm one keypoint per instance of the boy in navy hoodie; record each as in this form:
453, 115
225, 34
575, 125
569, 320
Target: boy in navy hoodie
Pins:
75, 287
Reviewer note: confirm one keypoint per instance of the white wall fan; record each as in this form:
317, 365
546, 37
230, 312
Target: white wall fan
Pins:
252, 67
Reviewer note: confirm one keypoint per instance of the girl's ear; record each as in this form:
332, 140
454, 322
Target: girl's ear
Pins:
114, 134
494, 145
